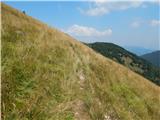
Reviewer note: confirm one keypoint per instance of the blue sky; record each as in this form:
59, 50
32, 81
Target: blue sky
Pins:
123, 23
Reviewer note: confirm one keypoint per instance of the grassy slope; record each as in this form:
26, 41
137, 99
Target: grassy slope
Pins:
48, 75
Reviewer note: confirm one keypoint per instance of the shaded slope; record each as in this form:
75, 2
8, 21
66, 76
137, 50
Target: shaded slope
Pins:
128, 59
153, 57
46, 74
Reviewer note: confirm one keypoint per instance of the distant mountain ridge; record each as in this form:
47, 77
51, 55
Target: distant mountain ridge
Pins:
153, 57
128, 59
138, 50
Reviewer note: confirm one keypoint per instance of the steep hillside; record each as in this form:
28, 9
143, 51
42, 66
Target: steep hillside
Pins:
128, 59
47, 75
153, 57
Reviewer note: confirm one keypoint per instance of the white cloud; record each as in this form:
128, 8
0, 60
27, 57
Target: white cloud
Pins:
156, 2
155, 22
101, 7
138, 23
135, 24
95, 11
78, 30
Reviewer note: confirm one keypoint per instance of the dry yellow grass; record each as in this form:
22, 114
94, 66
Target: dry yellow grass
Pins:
48, 75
